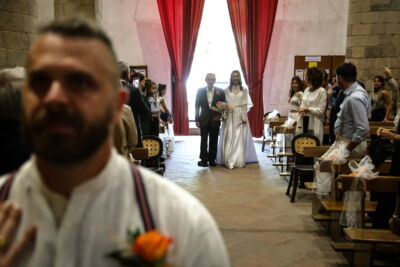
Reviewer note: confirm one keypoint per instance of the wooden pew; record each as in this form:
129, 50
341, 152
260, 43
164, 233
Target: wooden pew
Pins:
315, 152
373, 126
329, 204
271, 125
366, 241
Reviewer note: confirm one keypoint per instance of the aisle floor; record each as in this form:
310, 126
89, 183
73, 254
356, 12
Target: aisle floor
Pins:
259, 224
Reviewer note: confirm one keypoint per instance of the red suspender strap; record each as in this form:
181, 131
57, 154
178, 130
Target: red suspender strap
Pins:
6, 188
141, 197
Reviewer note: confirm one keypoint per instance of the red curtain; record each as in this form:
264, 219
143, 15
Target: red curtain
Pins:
181, 22
252, 24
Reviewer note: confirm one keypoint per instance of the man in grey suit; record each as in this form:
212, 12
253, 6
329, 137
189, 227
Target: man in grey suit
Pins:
208, 120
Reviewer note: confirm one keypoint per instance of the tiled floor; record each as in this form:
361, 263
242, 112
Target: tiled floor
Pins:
259, 224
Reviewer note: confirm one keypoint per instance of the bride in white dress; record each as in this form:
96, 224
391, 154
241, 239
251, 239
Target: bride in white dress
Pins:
236, 146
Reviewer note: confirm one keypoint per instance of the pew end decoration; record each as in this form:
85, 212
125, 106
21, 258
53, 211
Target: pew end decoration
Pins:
353, 199
336, 155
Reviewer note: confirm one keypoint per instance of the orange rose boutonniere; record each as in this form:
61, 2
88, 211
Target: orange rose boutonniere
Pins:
143, 250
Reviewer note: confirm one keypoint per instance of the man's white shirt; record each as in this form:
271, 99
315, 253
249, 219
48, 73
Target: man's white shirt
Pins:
101, 211
210, 95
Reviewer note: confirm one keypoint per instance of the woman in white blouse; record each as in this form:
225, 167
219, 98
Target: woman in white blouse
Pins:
295, 97
313, 104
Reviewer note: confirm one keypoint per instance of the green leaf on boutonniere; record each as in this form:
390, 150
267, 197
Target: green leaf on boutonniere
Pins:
131, 236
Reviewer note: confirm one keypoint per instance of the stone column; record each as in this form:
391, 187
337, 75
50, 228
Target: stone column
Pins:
373, 38
18, 20
63, 8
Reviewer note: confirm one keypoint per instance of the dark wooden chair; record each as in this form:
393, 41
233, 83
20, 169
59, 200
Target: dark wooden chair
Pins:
155, 146
298, 143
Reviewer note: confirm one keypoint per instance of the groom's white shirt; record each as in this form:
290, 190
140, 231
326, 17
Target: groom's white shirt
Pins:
100, 211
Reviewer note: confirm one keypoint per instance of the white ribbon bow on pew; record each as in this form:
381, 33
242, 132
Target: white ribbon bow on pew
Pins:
352, 201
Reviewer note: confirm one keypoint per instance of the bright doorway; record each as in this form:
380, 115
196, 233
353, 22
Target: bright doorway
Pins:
215, 51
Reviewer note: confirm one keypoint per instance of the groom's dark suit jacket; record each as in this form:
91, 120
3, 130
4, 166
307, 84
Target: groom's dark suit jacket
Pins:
203, 112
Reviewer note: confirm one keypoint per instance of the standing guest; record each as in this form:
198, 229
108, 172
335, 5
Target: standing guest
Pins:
337, 100
151, 95
329, 94
394, 90
208, 120
145, 117
13, 148
165, 115
352, 125
125, 133
137, 76
81, 196
135, 101
313, 104
381, 103
295, 97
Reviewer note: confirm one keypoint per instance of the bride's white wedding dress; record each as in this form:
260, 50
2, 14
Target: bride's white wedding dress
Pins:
236, 146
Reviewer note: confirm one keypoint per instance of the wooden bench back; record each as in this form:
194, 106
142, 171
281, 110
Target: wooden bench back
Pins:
379, 184
373, 126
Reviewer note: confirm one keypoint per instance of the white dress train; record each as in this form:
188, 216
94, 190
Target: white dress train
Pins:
236, 146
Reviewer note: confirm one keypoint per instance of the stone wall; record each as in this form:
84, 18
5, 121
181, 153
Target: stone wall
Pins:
373, 38
63, 8
18, 22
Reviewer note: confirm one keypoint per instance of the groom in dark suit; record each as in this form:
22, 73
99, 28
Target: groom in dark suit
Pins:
208, 120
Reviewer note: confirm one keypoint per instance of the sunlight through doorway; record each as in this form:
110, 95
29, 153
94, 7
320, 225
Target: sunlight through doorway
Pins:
215, 51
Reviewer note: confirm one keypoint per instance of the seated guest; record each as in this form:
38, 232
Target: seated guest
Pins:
394, 222
381, 103
313, 104
295, 97
386, 201
135, 101
14, 150
351, 125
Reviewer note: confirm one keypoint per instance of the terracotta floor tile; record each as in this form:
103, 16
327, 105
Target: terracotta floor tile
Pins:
258, 223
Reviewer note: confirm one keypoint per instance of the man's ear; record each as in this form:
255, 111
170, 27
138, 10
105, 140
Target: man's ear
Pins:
122, 98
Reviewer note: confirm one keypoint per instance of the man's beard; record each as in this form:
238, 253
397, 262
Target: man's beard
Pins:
66, 148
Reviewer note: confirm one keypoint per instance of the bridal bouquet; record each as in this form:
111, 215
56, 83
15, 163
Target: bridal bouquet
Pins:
220, 107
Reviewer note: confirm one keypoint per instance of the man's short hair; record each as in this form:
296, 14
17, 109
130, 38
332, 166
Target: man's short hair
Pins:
347, 71
123, 69
138, 75
11, 81
81, 28
210, 73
